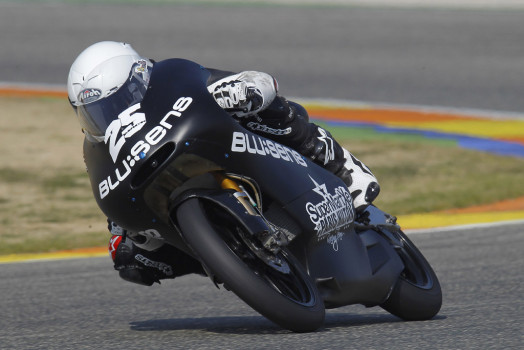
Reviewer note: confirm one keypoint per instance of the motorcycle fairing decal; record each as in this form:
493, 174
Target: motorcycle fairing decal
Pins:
332, 214
243, 142
132, 123
334, 239
129, 122
141, 147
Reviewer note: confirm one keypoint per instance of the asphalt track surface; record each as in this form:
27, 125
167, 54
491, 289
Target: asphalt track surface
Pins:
82, 304
456, 58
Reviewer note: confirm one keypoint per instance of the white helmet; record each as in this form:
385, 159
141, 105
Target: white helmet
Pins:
105, 79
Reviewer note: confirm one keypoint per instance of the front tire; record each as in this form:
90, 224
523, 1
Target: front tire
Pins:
417, 294
291, 299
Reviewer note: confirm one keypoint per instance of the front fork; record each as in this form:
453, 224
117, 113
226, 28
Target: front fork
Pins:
240, 193
272, 239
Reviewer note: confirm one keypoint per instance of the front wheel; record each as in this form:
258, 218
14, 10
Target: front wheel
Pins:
286, 296
417, 294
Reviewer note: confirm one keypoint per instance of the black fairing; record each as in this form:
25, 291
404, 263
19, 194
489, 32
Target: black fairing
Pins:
203, 129
304, 195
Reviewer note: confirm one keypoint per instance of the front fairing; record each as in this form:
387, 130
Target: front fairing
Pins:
121, 168
182, 119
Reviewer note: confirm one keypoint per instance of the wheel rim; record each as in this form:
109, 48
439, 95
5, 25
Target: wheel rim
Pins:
289, 284
414, 266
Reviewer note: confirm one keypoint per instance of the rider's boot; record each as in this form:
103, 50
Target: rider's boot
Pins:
322, 148
146, 267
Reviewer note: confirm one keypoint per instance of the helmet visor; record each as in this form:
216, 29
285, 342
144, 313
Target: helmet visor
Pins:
97, 112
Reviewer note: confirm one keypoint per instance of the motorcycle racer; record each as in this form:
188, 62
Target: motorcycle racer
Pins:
108, 77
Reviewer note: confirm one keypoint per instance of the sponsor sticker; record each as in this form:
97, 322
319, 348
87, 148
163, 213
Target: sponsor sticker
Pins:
89, 95
129, 122
333, 213
243, 142
141, 66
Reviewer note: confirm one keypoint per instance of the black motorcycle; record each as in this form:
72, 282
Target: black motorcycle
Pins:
266, 223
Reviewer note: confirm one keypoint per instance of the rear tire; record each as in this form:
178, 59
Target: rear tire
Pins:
417, 294
291, 300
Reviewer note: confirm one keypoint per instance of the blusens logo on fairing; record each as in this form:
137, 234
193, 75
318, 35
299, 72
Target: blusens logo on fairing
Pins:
257, 145
132, 122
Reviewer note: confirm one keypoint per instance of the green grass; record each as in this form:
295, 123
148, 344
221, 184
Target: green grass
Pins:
10, 175
49, 212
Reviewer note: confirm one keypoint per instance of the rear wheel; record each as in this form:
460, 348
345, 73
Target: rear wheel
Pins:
417, 294
277, 286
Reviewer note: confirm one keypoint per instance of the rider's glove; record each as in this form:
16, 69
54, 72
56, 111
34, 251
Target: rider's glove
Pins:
237, 98
115, 229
